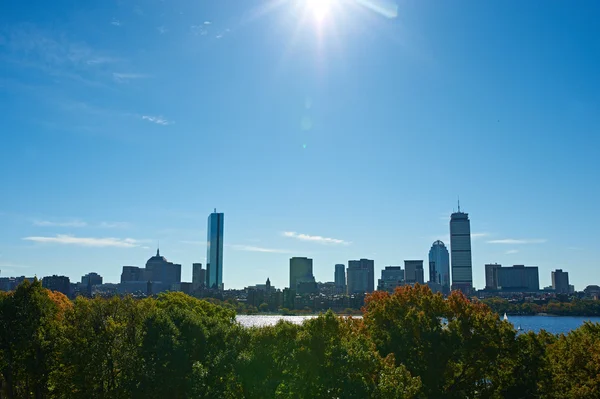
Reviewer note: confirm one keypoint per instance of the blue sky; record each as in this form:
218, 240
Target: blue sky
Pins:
333, 131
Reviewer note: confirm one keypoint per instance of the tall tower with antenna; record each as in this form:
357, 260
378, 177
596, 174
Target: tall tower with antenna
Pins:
460, 250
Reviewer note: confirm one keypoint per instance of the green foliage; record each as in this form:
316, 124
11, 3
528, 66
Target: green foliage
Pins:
411, 344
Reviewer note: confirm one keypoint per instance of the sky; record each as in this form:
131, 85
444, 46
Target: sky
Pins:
333, 129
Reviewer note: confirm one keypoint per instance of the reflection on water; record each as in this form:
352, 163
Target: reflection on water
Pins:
555, 325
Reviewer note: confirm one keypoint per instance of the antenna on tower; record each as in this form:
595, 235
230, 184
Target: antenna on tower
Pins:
458, 204
215, 210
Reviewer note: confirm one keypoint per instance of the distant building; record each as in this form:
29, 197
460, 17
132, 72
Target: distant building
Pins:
592, 291
460, 247
491, 276
413, 272
439, 266
214, 251
11, 283
560, 281
198, 276
159, 275
518, 278
340, 278
57, 283
391, 277
301, 270
360, 276
91, 279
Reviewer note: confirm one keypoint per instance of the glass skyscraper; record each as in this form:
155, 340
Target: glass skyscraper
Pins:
460, 247
439, 266
214, 251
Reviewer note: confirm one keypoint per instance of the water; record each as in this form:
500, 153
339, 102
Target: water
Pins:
552, 324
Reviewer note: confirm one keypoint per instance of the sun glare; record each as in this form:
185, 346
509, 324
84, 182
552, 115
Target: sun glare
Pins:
319, 8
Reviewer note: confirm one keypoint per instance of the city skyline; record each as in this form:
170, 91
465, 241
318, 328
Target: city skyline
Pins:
336, 139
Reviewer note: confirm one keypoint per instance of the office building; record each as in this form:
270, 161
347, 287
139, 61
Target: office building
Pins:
57, 283
460, 248
439, 266
391, 277
360, 276
518, 278
162, 271
340, 278
91, 279
491, 276
413, 272
11, 283
560, 281
214, 251
301, 271
159, 274
198, 276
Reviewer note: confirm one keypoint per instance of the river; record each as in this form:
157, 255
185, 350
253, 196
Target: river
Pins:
552, 324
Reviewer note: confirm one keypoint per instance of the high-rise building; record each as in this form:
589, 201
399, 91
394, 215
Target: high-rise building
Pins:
391, 277
560, 281
439, 266
214, 251
198, 276
340, 278
162, 271
91, 279
159, 273
491, 276
360, 276
57, 283
460, 247
519, 278
301, 271
413, 272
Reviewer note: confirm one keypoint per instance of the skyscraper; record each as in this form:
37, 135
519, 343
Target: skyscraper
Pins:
560, 281
413, 272
198, 276
301, 271
360, 276
214, 251
340, 278
439, 266
391, 277
460, 246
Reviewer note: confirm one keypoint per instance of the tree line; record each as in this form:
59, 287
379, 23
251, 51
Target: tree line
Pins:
561, 306
410, 344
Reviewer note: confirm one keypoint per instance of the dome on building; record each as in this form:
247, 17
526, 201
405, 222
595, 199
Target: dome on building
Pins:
157, 258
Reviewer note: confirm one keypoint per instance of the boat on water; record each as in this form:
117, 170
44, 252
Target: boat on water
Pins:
505, 317
519, 328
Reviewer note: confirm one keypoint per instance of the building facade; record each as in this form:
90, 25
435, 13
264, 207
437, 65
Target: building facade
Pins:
460, 247
57, 283
491, 276
198, 276
413, 272
439, 266
391, 277
214, 251
518, 278
91, 279
560, 281
362, 281
340, 278
301, 271
159, 274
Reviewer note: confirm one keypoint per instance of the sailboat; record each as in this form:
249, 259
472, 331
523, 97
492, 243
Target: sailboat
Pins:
505, 317
519, 328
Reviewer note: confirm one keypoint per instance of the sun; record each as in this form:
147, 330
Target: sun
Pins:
319, 8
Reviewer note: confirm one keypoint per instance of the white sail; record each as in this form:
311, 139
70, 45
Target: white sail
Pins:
505, 317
